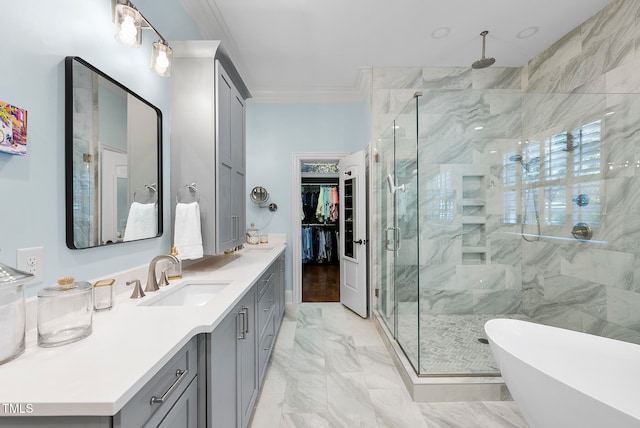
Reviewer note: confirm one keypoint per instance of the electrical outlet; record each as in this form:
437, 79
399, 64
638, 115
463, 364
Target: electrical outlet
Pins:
31, 260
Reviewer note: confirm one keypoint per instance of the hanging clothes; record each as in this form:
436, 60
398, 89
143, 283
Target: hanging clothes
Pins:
319, 244
322, 246
307, 244
320, 207
335, 200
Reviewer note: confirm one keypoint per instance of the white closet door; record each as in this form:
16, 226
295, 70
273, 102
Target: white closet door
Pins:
353, 233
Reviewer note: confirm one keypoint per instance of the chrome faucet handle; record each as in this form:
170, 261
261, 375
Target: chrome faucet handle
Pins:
137, 290
152, 279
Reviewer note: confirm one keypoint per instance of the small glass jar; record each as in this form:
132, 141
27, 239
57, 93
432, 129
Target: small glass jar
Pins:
103, 294
253, 235
12, 312
65, 313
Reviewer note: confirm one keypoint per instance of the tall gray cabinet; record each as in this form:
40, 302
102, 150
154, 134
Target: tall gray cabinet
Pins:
208, 140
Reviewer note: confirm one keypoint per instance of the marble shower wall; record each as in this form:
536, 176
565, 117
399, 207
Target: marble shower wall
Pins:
466, 265
588, 76
472, 258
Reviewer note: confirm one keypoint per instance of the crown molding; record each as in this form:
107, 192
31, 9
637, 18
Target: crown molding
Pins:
357, 93
209, 21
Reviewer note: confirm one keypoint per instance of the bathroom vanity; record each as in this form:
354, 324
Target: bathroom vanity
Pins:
190, 355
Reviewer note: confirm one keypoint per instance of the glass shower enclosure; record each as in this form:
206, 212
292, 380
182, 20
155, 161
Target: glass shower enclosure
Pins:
495, 204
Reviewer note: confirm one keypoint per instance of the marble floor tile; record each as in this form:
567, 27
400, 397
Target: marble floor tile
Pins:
380, 371
329, 368
349, 401
395, 409
304, 420
269, 413
309, 343
341, 356
286, 335
306, 394
309, 317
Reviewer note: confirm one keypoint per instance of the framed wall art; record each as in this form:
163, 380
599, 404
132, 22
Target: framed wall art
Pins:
13, 129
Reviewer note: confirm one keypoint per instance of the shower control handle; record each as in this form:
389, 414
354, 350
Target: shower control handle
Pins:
582, 232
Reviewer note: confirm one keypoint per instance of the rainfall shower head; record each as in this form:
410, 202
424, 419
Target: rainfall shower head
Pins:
483, 62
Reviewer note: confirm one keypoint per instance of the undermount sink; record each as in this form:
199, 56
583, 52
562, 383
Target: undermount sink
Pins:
189, 294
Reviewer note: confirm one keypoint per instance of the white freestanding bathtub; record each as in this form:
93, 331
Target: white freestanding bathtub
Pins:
562, 379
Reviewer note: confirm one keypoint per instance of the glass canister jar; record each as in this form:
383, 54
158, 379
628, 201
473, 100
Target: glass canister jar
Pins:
12, 312
65, 312
253, 235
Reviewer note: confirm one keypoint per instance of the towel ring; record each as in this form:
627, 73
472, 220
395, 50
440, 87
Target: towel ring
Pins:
151, 194
192, 190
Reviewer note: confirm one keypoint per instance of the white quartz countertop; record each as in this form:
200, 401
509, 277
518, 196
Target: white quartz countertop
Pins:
129, 344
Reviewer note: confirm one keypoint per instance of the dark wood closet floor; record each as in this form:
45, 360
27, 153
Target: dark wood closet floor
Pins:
320, 282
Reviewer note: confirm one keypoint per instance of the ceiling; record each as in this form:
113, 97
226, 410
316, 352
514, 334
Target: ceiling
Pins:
321, 50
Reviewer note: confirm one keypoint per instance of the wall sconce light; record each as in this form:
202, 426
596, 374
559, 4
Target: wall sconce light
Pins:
129, 24
161, 58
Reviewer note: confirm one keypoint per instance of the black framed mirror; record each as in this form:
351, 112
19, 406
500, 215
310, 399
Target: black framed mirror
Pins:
113, 160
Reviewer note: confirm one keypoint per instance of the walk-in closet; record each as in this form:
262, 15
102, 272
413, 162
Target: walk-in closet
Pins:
320, 201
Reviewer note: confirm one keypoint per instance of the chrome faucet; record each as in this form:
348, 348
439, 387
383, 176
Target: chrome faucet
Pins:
152, 279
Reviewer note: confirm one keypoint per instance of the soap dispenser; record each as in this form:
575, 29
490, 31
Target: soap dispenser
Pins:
175, 269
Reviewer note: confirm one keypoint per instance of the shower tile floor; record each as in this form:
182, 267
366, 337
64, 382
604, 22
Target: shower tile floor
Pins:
449, 344
330, 368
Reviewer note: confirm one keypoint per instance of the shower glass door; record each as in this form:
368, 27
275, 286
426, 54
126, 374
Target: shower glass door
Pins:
405, 232
384, 210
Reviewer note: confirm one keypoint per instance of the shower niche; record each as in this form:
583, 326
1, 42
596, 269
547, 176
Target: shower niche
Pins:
474, 218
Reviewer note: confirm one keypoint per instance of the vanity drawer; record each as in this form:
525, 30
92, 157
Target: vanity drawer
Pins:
168, 384
265, 307
265, 281
265, 347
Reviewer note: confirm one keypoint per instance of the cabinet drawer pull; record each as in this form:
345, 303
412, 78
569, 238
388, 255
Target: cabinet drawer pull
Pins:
244, 322
246, 314
180, 374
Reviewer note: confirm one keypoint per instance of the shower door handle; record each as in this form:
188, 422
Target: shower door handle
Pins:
394, 241
386, 238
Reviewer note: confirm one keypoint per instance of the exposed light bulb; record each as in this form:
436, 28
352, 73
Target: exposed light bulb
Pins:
162, 63
161, 59
128, 22
128, 32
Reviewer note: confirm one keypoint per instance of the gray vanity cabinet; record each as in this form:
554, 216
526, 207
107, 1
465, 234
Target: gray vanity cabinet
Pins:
232, 385
266, 313
183, 414
279, 291
208, 141
169, 399
176, 384
230, 161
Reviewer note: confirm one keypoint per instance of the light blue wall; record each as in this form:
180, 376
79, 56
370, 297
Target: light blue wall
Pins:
37, 36
275, 131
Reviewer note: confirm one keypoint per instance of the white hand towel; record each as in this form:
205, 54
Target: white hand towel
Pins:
187, 232
142, 222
